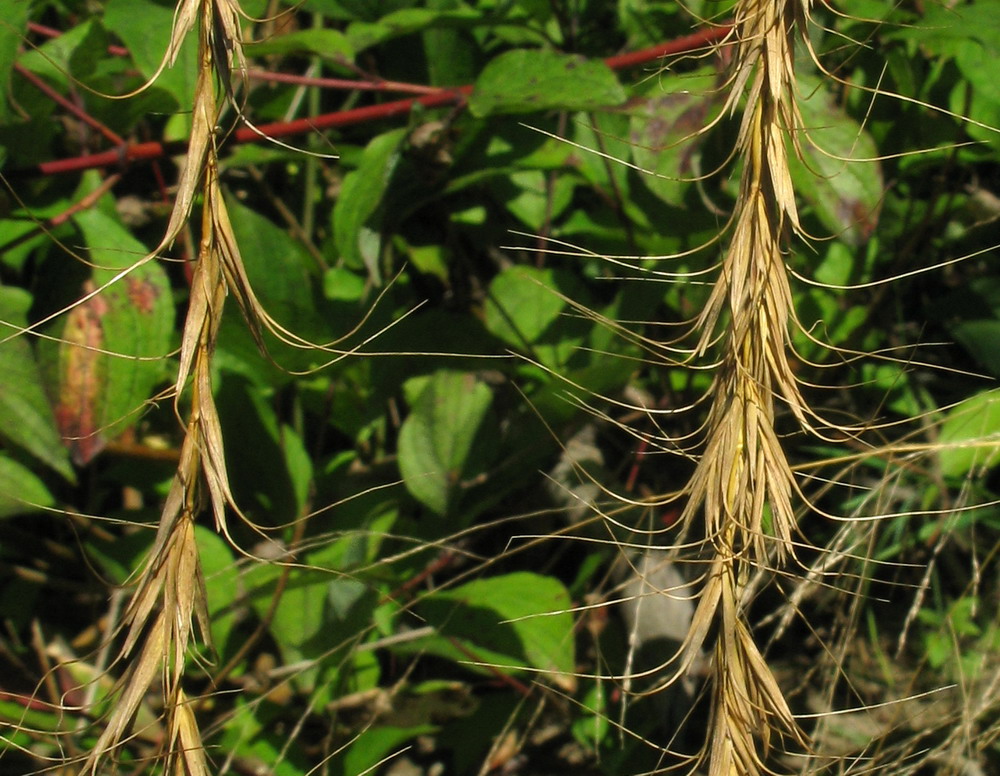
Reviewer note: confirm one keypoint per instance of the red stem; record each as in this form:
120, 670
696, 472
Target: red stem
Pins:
280, 129
51, 32
288, 78
57, 98
518, 686
341, 83
689, 43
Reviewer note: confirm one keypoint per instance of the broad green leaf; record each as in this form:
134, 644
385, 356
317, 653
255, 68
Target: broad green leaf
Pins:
20, 490
342, 285
522, 304
222, 584
970, 435
268, 466
145, 28
407, 21
436, 439
518, 620
113, 344
982, 339
969, 34
12, 30
321, 608
325, 43
366, 10
74, 54
252, 732
529, 80
946, 30
525, 308
663, 133
452, 54
281, 273
536, 200
845, 194
429, 259
26, 418
360, 198
376, 743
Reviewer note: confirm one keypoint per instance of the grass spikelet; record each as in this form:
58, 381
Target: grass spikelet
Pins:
590, 509
743, 470
170, 591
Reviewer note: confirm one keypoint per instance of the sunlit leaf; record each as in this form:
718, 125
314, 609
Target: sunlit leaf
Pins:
330, 44
20, 490
528, 80
360, 197
663, 131
15, 22
407, 21
437, 438
835, 174
970, 435
145, 28
511, 621
26, 418
114, 342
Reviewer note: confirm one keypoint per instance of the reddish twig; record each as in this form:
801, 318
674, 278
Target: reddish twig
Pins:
85, 203
51, 32
703, 39
515, 684
443, 561
282, 129
68, 105
349, 84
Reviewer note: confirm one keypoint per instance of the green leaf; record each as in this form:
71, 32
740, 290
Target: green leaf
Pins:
75, 53
376, 743
321, 607
663, 133
145, 28
522, 304
222, 584
846, 195
114, 343
982, 339
524, 308
26, 418
529, 80
268, 465
342, 285
518, 620
20, 490
536, 200
361, 195
325, 43
970, 435
436, 439
281, 273
407, 21
12, 31
451, 53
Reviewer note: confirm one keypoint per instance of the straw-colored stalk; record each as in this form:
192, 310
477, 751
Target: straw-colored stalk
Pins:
170, 592
743, 474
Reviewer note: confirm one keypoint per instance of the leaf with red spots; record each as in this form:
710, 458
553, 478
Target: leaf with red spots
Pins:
82, 376
113, 343
664, 128
845, 195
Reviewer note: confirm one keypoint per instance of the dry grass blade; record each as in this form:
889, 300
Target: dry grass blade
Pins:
170, 590
743, 484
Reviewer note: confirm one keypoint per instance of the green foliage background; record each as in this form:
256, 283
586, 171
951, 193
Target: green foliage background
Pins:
485, 273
